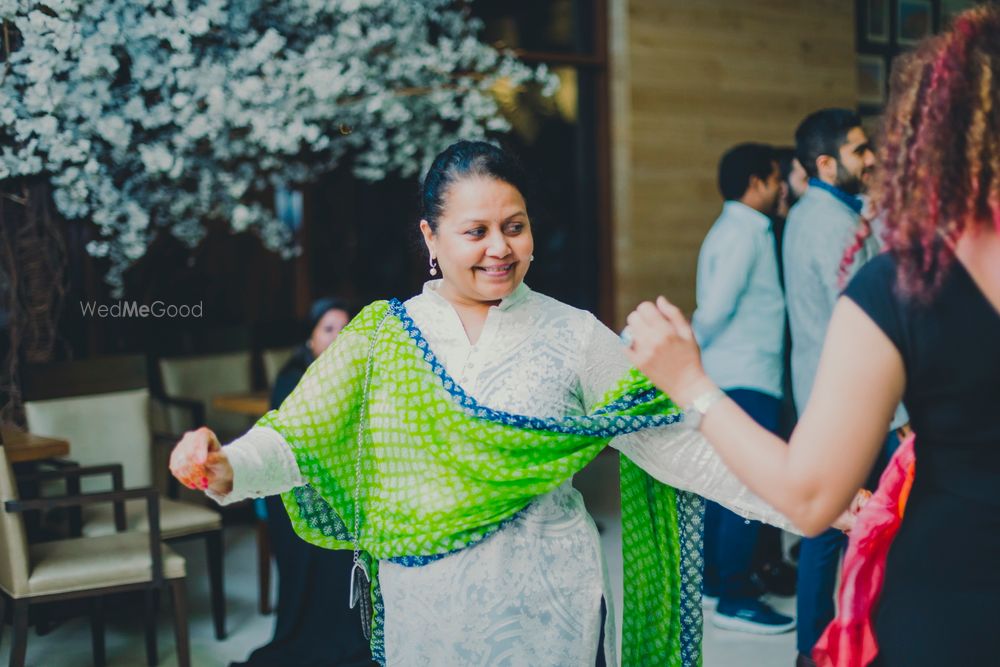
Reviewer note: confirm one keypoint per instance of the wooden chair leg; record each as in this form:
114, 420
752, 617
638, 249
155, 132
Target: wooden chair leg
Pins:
149, 619
19, 642
97, 630
75, 513
213, 543
264, 567
3, 608
43, 624
179, 594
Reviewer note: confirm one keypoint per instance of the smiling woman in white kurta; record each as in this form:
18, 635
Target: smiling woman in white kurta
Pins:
531, 592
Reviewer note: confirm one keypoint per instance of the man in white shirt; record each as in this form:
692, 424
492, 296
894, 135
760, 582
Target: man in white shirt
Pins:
740, 325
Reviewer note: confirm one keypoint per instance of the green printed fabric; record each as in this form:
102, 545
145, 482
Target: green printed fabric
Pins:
439, 472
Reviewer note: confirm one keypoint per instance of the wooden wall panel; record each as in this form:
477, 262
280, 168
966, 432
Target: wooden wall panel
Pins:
690, 78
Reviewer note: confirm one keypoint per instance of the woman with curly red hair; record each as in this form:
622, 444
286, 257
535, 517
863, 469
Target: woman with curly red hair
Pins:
919, 323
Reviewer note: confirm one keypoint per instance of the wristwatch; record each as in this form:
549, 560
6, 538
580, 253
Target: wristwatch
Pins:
699, 407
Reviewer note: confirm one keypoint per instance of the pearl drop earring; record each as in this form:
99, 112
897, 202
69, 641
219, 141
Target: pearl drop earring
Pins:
531, 258
433, 270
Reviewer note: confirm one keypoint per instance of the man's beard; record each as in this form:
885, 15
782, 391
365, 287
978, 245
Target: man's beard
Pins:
848, 182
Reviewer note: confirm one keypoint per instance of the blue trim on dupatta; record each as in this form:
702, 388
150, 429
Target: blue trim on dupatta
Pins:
691, 531
600, 424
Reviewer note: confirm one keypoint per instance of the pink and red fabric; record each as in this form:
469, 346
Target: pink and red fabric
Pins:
849, 641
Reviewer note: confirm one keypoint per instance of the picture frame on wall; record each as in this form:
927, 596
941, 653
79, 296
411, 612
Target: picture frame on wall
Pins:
883, 30
871, 73
877, 27
914, 20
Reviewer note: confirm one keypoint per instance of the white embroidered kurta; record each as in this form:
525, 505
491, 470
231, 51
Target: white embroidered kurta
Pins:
531, 593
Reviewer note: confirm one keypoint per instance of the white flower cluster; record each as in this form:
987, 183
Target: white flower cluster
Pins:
162, 114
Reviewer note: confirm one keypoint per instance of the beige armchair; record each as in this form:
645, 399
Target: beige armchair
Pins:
86, 567
274, 359
198, 379
201, 377
101, 407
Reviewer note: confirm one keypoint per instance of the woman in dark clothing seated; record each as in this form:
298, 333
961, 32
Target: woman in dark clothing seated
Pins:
315, 627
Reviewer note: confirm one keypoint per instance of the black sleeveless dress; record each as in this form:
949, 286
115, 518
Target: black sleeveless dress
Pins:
941, 601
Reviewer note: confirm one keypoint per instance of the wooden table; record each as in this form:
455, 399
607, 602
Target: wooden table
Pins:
22, 447
254, 404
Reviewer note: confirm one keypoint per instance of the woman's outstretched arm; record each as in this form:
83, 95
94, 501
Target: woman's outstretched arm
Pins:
857, 388
674, 454
254, 465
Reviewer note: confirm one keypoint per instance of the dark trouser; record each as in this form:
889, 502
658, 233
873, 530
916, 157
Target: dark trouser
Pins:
819, 559
730, 540
769, 550
817, 575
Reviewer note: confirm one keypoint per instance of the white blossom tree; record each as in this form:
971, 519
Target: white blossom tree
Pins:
153, 115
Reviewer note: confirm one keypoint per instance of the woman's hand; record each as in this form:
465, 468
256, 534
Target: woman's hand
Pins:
846, 520
199, 462
665, 350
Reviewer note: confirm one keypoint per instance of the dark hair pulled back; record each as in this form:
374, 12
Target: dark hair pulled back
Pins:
467, 159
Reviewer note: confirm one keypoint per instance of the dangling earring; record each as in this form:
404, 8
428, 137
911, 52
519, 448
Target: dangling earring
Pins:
434, 270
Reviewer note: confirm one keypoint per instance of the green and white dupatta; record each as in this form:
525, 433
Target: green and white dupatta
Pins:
438, 472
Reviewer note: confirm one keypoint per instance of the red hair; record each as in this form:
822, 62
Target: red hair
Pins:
939, 165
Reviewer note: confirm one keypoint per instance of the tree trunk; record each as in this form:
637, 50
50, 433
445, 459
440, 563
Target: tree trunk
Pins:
32, 283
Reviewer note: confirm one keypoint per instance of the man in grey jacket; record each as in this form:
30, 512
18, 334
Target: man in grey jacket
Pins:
826, 241
834, 150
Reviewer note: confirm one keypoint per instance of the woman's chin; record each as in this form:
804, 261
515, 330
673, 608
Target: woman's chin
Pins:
492, 289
